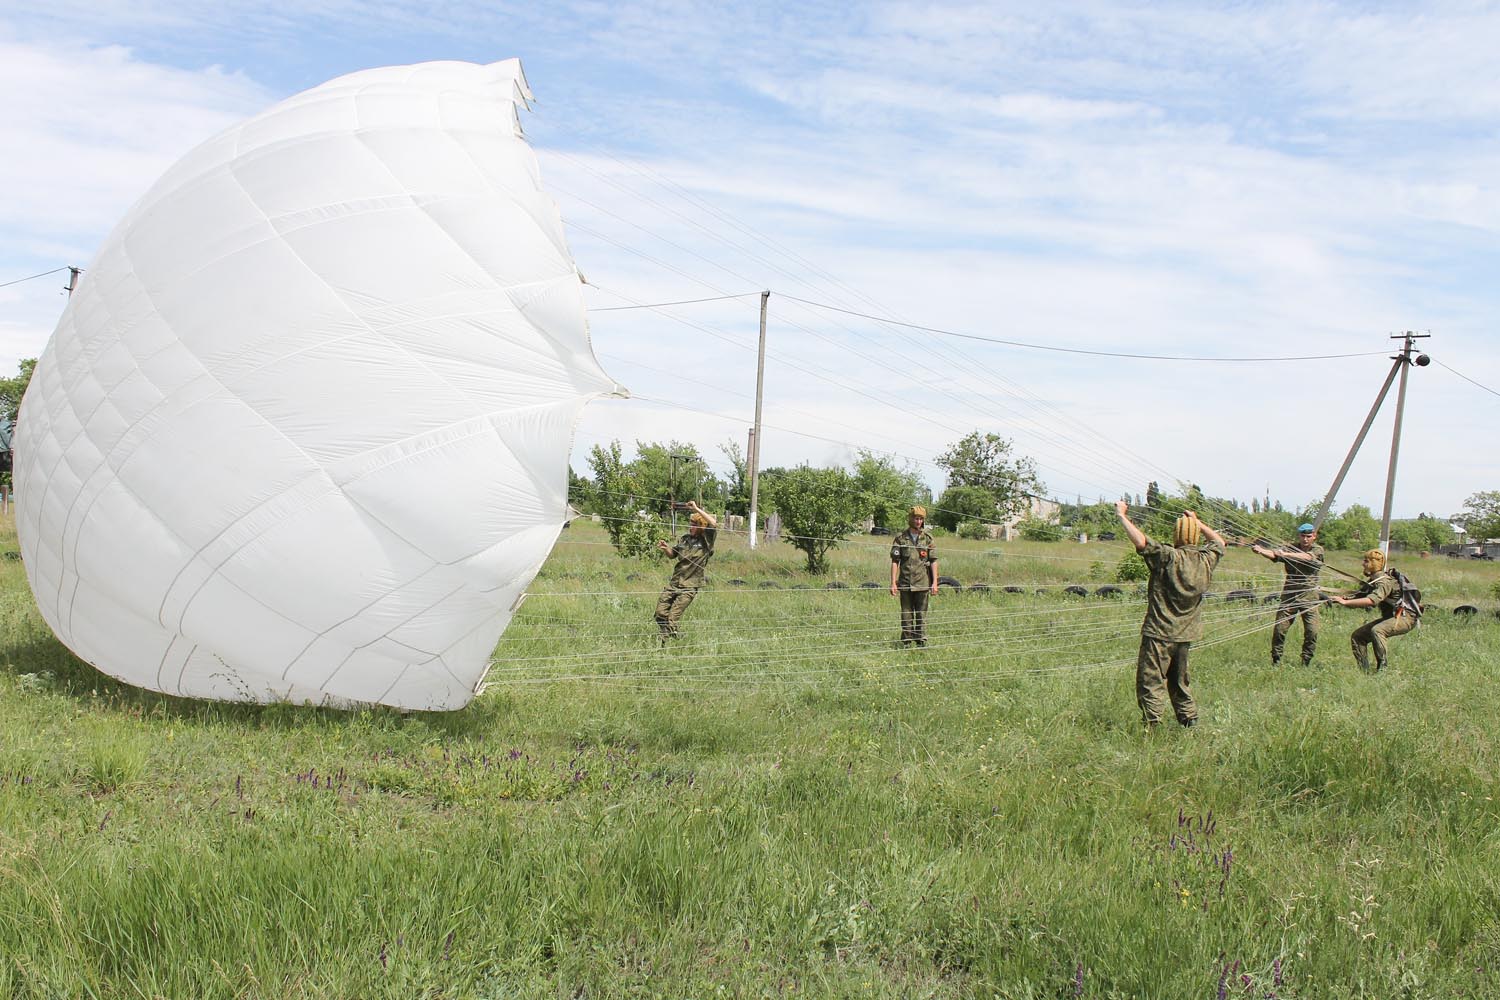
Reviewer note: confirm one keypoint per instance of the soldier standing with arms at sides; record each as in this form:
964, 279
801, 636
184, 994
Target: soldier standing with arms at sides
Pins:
1299, 595
1381, 590
914, 575
692, 552
1180, 574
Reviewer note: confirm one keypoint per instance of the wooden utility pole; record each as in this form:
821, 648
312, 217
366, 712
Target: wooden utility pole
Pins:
760, 385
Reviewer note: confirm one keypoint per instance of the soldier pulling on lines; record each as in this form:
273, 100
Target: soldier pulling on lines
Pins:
1180, 574
1399, 603
1299, 595
692, 552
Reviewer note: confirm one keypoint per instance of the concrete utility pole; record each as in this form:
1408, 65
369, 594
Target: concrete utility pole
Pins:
1399, 365
760, 385
1404, 361
73, 273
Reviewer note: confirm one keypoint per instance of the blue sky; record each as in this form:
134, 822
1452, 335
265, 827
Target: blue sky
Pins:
1245, 179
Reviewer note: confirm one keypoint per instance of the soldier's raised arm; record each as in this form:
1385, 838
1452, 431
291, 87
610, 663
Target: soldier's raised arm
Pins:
1136, 536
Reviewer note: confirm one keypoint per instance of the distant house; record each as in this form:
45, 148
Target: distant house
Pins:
1043, 510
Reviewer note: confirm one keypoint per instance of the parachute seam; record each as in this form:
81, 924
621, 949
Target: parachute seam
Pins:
384, 635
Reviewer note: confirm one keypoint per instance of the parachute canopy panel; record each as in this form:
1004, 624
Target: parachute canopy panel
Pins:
302, 431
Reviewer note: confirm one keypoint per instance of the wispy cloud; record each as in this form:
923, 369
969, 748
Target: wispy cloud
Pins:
1252, 178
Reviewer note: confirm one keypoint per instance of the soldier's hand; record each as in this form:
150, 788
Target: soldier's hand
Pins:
934, 589
894, 591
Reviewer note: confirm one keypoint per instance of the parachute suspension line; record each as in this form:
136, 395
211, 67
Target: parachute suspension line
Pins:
779, 656
774, 649
712, 671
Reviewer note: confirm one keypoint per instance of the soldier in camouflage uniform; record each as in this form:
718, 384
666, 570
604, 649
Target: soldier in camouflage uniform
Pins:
692, 552
1380, 590
1299, 594
914, 575
1180, 574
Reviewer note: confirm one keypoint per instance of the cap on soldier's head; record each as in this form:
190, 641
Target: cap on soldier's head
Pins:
1305, 529
1375, 558
918, 511
1187, 530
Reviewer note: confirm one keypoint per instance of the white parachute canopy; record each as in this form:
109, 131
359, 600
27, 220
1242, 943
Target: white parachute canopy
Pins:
302, 431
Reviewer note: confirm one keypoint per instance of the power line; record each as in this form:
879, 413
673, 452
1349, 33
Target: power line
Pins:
17, 281
1069, 350
1466, 378
662, 305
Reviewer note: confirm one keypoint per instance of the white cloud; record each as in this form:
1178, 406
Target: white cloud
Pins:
87, 129
1266, 179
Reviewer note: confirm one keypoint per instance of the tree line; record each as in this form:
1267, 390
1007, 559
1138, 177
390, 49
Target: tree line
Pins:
986, 483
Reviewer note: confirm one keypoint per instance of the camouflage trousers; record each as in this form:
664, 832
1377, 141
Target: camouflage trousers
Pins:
1286, 615
669, 608
914, 616
1375, 634
1161, 675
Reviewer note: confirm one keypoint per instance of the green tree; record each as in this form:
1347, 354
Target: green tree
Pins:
963, 503
737, 486
1094, 518
1363, 531
613, 493
12, 389
986, 461
578, 489
1153, 494
1422, 533
818, 508
1480, 517
890, 490
660, 479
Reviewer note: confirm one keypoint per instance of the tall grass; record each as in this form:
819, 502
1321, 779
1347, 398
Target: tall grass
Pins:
782, 804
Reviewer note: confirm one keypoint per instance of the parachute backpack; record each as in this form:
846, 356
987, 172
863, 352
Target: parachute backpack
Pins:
1408, 597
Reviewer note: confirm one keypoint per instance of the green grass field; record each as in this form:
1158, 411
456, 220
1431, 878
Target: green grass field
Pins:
782, 804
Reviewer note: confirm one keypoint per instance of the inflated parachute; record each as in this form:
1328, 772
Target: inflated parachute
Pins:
302, 431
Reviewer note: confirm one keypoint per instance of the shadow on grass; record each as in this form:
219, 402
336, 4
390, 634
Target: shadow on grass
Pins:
43, 660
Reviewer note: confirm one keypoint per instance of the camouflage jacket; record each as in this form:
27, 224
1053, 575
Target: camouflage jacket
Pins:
1174, 597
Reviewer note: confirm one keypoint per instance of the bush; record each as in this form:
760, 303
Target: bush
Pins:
818, 508
1034, 529
1495, 590
1132, 567
976, 530
638, 537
